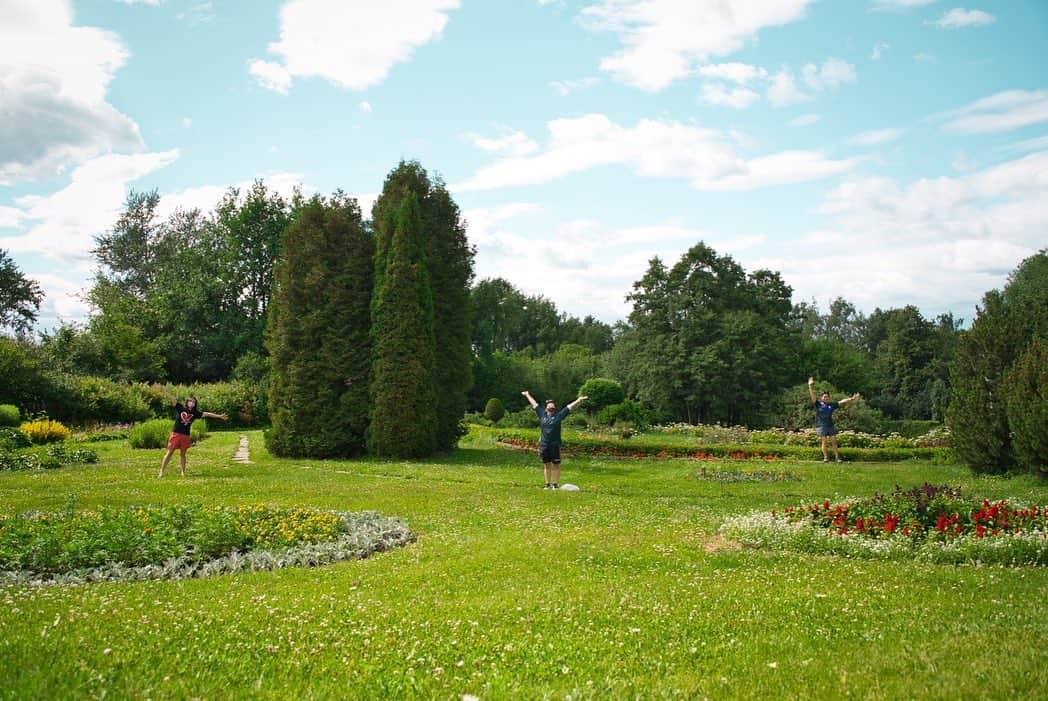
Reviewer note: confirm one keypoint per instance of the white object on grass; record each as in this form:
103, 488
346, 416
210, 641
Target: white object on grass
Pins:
569, 488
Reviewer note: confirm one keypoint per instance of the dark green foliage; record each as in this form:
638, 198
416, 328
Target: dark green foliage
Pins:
318, 334
840, 364
1026, 406
20, 297
9, 415
403, 387
602, 392
1005, 327
493, 410
706, 342
445, 266
629, 412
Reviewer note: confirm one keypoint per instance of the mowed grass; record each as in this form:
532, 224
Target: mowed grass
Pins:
621, 590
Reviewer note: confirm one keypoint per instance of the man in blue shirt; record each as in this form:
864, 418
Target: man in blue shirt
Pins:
824, 409
549, 435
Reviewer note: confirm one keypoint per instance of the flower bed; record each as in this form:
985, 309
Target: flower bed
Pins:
652, 446
184, 541
934, 523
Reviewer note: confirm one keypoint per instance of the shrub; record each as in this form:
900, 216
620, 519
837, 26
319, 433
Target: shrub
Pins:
13, 439
1026, 405
793, 410
493, 410
154, 433
525, 418
476, 417
628, 411
602, 392
44, 431
9, 415
244, 403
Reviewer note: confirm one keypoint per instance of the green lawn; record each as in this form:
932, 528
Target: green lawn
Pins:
621, 590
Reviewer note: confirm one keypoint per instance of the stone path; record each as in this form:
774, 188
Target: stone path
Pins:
242, 455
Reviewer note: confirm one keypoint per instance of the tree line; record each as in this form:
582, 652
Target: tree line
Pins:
379, 321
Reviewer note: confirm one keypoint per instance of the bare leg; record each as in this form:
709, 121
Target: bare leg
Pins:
165, 461
182, 462
556, 474
836, 452
549, 467
825, 455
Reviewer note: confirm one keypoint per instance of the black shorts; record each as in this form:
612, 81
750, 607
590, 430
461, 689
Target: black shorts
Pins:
549, 453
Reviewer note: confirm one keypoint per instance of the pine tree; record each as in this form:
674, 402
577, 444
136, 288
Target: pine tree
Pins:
318, 333
403, 391
449, 262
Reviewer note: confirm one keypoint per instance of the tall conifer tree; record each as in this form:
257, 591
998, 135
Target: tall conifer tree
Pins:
319, 333
403, 391
449, 262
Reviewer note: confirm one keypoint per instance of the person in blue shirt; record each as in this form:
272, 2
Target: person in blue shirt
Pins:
549, 434
824, 409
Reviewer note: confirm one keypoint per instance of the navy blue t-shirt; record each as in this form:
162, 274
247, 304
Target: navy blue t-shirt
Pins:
549, 426
824, 413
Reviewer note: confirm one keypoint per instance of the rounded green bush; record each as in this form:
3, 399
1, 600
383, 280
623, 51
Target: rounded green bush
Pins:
9, 415
154, 433
493, 410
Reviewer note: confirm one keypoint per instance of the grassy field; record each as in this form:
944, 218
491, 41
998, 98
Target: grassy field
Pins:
621, 590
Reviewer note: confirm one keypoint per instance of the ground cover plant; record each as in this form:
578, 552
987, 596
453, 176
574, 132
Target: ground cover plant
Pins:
179, 541
931, 522
624, 589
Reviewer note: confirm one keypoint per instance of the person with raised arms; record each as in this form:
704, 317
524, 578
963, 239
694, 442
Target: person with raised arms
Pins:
549, 434
824, 409
185, 415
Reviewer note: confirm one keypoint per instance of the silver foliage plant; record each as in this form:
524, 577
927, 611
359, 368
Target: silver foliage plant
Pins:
364, 533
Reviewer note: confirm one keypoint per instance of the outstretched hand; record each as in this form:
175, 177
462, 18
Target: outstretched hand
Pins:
856, 396
811, 381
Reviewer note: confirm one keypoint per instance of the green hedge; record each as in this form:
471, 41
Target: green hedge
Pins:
154, 433
646, 445
9, 415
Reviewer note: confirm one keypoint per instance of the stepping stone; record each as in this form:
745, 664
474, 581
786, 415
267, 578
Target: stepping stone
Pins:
243, 455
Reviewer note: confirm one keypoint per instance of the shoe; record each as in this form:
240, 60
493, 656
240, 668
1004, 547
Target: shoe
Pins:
548, 486
556, 487
839, 460
825, 459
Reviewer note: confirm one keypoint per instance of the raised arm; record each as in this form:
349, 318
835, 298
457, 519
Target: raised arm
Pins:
209, 415
850, 399
811, 389
531, 400
578, 401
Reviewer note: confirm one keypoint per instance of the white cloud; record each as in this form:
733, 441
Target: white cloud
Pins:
270, 75
938, 242
718, 94
741, 73
154, 3
365, 106
878, 50
651, 148
959, 17
53, 82
352, 44
187, 122
784, 91
875, 137
1038, 143
510, 143
805, 120
591, 265
664, 40
62, 225
566, 87
833, 73
1003, 111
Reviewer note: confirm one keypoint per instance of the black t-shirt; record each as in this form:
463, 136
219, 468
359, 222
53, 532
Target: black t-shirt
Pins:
184, 418
549, 426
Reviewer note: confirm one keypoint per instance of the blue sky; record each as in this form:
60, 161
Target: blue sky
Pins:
888, 151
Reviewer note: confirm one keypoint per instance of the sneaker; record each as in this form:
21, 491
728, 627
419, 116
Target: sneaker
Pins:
825, 459
548, 486
555, 486
839, 460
